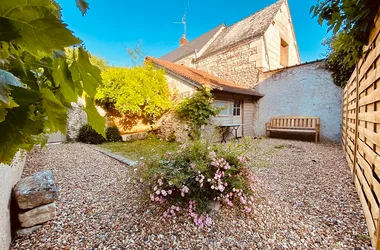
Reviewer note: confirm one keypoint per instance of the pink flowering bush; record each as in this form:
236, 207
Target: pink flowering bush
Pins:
185, 182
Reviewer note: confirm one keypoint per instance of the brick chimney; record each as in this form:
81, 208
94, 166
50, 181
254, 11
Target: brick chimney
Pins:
183, 40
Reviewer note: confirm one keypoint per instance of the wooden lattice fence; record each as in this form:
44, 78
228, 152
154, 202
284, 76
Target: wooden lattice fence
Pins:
361, 132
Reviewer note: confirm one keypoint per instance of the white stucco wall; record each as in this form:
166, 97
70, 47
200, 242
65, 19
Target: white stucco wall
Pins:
306, 90
9, 176
178, 86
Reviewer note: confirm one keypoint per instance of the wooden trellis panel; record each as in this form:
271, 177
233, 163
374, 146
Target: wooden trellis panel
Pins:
361, 132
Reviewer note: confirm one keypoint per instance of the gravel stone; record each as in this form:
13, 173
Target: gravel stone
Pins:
305, 199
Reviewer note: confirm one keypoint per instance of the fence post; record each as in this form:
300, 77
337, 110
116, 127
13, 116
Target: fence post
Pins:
356, 120
346, 123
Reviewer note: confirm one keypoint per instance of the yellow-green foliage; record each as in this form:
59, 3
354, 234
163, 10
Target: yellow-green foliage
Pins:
142, 91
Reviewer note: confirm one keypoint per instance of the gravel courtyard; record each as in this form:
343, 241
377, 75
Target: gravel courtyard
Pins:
305, 200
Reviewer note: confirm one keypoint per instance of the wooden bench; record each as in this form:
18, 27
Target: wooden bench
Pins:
296, 124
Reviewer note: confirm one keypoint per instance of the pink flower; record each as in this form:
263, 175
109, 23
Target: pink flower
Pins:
163, 192
158, 192
242, 200
152, 197
160, 182
208, 221
170, 191
247, 209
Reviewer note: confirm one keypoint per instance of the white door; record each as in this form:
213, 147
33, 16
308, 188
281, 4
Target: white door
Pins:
237, 116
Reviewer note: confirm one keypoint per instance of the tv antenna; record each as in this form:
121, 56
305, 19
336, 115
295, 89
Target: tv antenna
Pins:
184, 23
184, 18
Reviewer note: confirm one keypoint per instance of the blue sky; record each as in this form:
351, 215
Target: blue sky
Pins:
110, 26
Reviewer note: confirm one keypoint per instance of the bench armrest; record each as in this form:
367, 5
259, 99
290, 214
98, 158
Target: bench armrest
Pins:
267, 125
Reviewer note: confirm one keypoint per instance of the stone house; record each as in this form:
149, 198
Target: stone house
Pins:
261, 42
239, 101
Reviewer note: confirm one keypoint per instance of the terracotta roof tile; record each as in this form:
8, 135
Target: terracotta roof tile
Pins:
203, 78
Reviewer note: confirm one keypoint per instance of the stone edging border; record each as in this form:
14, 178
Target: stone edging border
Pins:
113, 155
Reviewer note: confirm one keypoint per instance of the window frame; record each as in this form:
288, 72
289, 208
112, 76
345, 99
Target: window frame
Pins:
236, 108
226, 104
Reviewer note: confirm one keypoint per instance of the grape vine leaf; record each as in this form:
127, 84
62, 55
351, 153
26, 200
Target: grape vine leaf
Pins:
82, 6
95, 120
55, 111
21, 131
84, 72
62, 77
39, 26
6, 102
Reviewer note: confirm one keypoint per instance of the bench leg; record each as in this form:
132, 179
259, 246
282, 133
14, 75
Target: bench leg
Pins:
316, 137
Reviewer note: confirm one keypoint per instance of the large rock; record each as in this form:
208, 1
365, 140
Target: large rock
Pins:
37, 215
36, 190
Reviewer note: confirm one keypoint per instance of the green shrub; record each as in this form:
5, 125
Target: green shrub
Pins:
88, 135
113, 134
188, 180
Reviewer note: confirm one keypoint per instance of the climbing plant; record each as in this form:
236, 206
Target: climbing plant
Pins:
140, 90
351, 22
197, 110
37, 82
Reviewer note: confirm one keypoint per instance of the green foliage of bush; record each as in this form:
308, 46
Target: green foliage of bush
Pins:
113, 134
351, 22
88, 135
140, 91
200, 172
37, 81
197, 110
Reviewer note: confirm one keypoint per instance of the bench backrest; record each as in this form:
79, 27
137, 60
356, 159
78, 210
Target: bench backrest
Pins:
296, 122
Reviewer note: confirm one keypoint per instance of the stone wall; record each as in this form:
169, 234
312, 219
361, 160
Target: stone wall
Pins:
237, 64
170, 128
240, 62
9, 176
76, 119
187, 60
305, 90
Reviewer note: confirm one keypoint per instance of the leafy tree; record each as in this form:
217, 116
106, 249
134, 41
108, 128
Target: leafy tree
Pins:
351, 22
197, 110
136, 54
37, 83
140, 91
